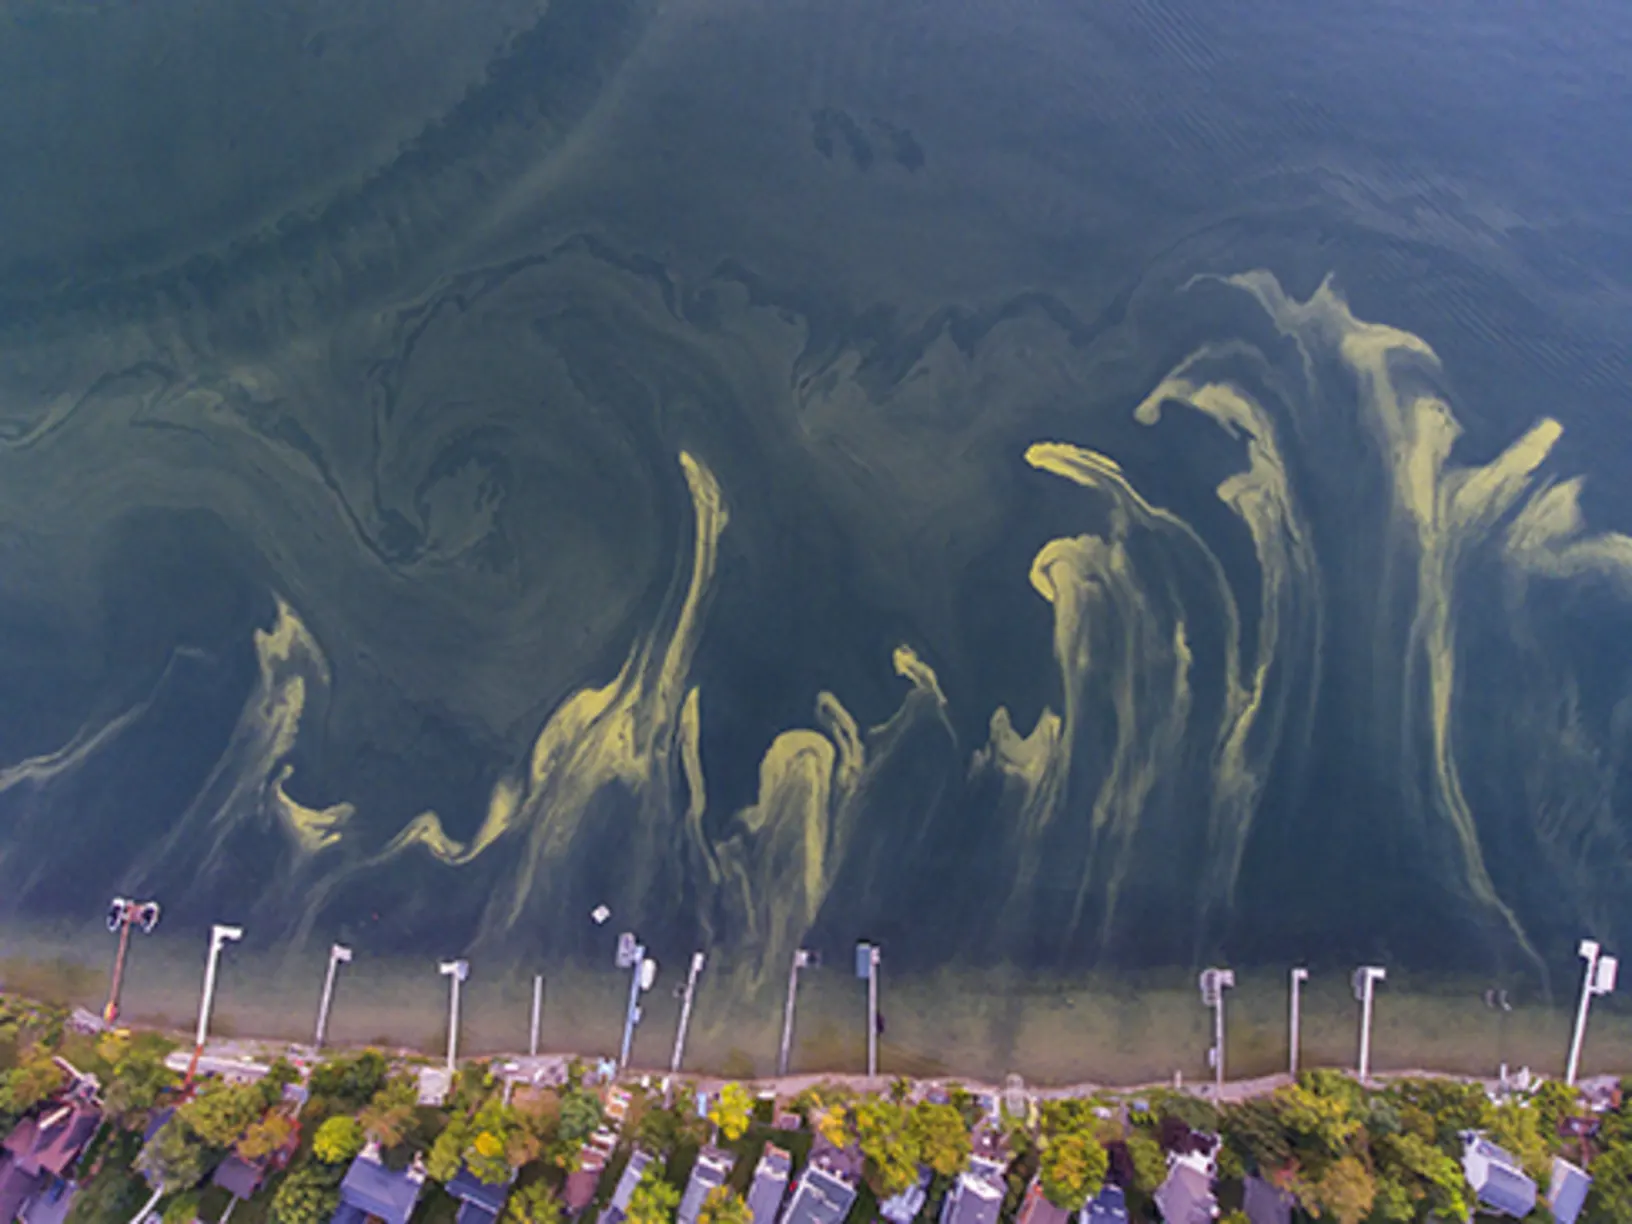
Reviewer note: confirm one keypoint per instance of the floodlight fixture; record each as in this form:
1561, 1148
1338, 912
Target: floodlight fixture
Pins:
123, 914
1365, 981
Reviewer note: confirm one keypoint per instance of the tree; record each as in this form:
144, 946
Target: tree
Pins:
183, 1209
220, 1113
833, 1124
721, 1206
1149, 1165
887, 1144
533, 1204
942, 1137
1320, 1114
268, 1135
309, 1195
1344, 1192
654, 1200
390, 1112
1418, 1179
448, 1152
1517, 1128
731, 1111
580, 1115
29, 1083
136, 1077
1072, 1169
349, 1082
338, 1140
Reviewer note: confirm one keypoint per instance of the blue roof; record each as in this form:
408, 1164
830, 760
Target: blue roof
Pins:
379, 1191
769, 1185
712, 1168
1504, 1188
473, 1213
821, 1198
472, 1189
1109, 1206
1568, 1193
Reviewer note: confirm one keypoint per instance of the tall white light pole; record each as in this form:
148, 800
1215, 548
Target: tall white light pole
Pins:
220, 936
339, 955
697, 962
457, 972
868, 957
538, 1014
1300, 975
1598, 979
802, 958
642, 973
1365, 981
1213, 983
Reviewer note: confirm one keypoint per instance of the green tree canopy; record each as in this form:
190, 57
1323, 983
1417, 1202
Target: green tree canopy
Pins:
722, 1206
942, 1137
533, 1204
389, 1114
266, 1136
29, 1083
1072, 1169
174, 1158
731, 1111
338, 1140
220, 1113
350, 1081
182, 1209
654, 1200
1149, 1165
887, 1144
309, 1195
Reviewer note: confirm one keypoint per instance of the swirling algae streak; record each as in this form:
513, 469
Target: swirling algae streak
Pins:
1446, 510
1289, 602
248, 783
624, 732
775, 872
1092, 583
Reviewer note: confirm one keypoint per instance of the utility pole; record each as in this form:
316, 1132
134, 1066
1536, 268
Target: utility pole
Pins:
124, 913
867, 962
802, 958
339, 955
697, 961
1599, 979
1214, 982
1365, 980
456, 971
220, 936
538, 1014
1300, 975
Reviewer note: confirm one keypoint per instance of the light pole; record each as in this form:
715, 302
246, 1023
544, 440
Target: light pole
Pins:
1213, 983
1598, 979
1365, 981
220, 936
123, 914
697, 962
867, 962
457, 972
1300, 975
538, 1014
642, 973
802, 958
339, 955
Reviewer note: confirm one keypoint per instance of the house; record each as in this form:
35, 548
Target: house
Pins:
709, 1173
770, 1184
238, 1177
1499, 1184
618, 1208
1109, 1206
579, 1191
1036, 1209
901, 1208
976, 1196
1264, 1203
40, 1152
480, 1202
1186, 1197
1567, 1193
371, 1192
824, 1192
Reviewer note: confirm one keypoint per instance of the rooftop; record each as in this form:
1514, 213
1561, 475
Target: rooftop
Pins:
770, 1184
1497, 1180
1186, 1197
1109, 1206
712, 1168
374, 1190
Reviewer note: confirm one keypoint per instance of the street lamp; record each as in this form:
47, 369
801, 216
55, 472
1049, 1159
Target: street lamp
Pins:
1599, 979
220, 937
867, 962
1365, 981
339, 955
1300, 975
697, 962
642, 973
457, 972
1213, 983
803, 958
123, 914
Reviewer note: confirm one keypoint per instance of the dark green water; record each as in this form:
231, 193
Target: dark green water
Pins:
1081, 490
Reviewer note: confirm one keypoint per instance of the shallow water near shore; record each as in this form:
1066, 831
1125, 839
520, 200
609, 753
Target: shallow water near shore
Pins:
978, 1024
